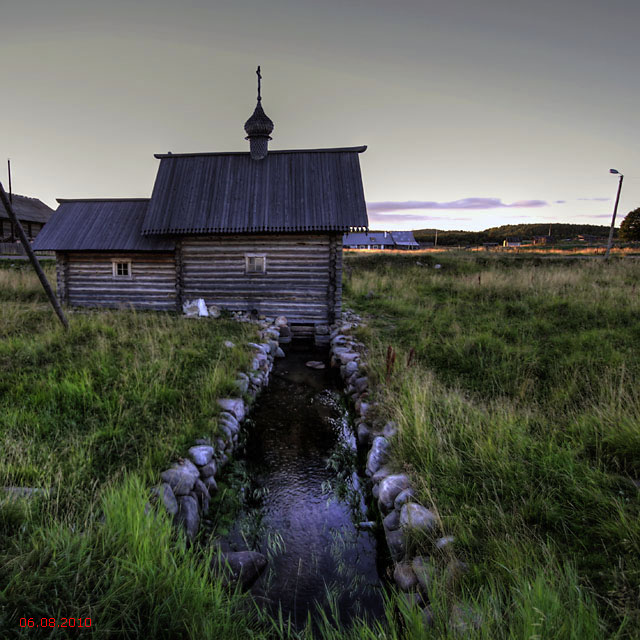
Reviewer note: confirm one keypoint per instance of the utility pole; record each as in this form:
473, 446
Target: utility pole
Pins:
32, 257
615, 211
435, 244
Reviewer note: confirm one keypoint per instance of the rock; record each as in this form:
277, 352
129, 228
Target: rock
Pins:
210, 483
322, 330
221, 445
364, 433
208, 469
203, 441
234, 406
375, 491
222, 460
201, 455
392, 521
188, 515
241, 385
381, 474
404, 576
180, 479
464, 619
366, 525
165, 494
214, 311
202, 308
240, 566
390, 487
279, 353
190, 309
202, 494
350, 368
378, 455
363, 409
395, 542
345, 355
415, 517
188, 466
444, 544
361, 384
230, 420
424, 571
257, 381
262, 347
281, 321
403, 497
315, 364
228, 344
226, 431
390, 430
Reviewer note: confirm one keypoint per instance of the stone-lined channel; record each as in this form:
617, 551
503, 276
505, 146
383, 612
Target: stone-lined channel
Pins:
303, 508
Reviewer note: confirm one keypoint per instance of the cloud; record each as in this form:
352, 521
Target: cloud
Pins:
375, 216
595, 199
559, 201
465, 203
595, 215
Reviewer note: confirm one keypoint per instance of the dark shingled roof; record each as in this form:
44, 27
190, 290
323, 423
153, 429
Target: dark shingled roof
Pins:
287, 191
28, 209
99, 225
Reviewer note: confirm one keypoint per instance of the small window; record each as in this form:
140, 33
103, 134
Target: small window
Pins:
121, 269
255, 263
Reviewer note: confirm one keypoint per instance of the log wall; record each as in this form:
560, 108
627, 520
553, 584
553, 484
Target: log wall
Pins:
86, 280
302, 279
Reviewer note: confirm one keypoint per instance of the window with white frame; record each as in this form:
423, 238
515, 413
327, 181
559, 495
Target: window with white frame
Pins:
255, 263
121, 268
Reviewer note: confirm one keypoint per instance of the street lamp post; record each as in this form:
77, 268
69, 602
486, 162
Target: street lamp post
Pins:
615, 211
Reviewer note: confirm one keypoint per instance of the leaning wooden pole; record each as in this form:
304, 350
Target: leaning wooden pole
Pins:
32, 257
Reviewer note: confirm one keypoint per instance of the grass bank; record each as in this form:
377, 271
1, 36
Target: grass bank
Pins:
93, 415
519, 420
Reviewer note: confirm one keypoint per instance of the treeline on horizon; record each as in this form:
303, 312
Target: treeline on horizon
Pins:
558, 231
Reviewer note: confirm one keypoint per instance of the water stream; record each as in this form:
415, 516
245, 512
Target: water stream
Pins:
302, 504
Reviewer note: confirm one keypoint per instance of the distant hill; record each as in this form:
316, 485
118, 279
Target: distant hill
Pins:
523, 231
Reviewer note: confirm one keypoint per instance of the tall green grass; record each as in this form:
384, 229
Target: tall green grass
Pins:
92, 416
519, 421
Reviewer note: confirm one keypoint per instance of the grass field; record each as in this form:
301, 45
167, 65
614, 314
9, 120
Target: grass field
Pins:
519, 420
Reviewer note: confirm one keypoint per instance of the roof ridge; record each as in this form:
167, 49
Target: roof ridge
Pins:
63, 200
359, 149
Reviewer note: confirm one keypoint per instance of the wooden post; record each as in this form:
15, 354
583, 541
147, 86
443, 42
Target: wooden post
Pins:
613, 219
32, 257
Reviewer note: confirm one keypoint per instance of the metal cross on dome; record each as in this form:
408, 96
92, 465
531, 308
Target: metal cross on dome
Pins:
259, 78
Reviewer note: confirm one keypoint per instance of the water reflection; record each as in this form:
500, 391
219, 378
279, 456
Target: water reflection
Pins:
303, 502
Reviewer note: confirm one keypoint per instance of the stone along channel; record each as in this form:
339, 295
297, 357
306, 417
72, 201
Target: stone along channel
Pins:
302, 504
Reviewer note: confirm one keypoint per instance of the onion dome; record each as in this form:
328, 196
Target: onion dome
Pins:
259, 124
258, 128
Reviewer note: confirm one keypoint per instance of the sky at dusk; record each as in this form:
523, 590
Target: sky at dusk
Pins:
476, 113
